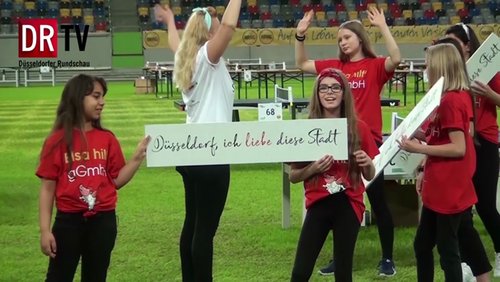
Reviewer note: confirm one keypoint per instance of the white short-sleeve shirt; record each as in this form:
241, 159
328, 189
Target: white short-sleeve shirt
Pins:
212, 95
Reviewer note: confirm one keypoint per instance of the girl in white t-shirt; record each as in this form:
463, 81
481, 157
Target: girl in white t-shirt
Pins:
207, 90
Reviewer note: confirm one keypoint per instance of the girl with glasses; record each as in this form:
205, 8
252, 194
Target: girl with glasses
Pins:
333, 189
367, 75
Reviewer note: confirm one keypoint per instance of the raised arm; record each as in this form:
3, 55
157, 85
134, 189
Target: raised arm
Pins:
164, 14
218, 44
377, 18
300, 52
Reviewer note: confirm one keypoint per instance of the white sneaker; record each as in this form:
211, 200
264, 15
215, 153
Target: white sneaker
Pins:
467, 273
496, 270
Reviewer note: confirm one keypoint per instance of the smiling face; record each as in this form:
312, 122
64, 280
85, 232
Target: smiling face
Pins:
93, 103
349, 42
330, 95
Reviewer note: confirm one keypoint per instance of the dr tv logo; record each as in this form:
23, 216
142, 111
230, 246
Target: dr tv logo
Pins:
38, 37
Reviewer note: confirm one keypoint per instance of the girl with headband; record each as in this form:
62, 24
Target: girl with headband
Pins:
333, 189
207, 90
367, 75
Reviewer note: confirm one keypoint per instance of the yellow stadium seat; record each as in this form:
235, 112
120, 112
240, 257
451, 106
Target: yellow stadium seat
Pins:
29, 5
143, 11
220, 10
353, 15
407, 14
382, 6
88, 20
76, 12
366, 22
252, 2
455, 19
64, 12
177, 10
19, 1
165, 2
437, 6
371, 5
320, 15
459, 5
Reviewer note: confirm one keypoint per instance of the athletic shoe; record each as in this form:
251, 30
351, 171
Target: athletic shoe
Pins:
467, 275
386, 267
496, 272
328, 270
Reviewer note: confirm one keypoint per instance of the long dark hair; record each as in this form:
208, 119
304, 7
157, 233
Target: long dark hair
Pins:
70, 112
466, 34
347, 111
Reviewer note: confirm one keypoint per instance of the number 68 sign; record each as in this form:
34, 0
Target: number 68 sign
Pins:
270, 111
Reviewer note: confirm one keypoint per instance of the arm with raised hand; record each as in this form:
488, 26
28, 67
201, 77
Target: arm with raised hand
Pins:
377, 18
218, 44
300, 52
165, 15
127, 172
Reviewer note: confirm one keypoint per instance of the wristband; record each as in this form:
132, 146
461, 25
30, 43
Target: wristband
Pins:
300, 38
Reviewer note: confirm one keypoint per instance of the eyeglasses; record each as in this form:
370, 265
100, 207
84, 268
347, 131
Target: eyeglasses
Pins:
335, 88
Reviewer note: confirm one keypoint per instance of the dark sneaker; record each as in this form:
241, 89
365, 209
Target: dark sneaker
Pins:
386, 267
328, 270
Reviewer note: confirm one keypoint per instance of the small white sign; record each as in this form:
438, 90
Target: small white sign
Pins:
44, 69
246, 142
408, 127
483, 65
403, 165
247, 75
270, 111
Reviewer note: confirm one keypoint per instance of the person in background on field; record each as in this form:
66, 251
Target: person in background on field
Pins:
207, 90
367, 75
81, 168
485, 179
447, 196
333, 189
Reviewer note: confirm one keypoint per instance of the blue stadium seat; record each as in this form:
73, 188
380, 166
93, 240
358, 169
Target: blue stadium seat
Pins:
279, 23
6, 5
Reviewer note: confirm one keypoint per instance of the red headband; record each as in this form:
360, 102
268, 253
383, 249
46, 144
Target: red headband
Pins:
331, 72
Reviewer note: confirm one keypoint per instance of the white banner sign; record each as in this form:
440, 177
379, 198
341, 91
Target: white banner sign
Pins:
485, 62
246, 142
408, 127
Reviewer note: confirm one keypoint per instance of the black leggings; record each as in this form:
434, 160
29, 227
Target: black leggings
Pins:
472, 250
331, 213
441, 230
379, 207
91, 238
206, 190
485, 181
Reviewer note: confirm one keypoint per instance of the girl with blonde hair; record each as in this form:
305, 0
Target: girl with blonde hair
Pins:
450, 149
367, 75
333, 190
208, 92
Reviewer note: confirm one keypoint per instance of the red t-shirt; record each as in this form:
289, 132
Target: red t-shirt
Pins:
367, 78
89, 184
486, 114
319, 187
447, 186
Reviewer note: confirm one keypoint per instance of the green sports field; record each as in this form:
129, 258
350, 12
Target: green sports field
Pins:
250, 244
